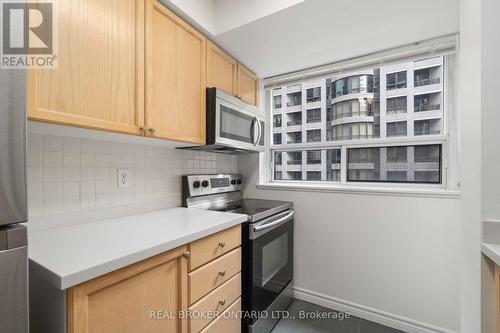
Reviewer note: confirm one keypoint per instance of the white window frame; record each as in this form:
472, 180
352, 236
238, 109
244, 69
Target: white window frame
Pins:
450, 184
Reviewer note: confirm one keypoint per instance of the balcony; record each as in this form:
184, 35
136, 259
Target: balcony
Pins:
397, 133
429, 107
313, 120
292, 104
294, 122
277, 106
351, 114
426, 82
426, 132
294, 162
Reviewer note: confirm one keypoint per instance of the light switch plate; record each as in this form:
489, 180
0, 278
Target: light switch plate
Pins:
123, 178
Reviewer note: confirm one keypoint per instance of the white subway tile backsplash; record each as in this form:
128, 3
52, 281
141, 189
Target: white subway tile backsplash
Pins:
52, 143
67, 174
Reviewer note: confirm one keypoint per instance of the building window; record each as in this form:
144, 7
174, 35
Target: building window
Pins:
314, 157
277, 102
313, 175
294, 137
382, 164
427, 76
294, 119
427, 102
380, 132
277, 139
294, 99
277, 121
397, 128
396, 80
396, 105
314, 135
314, 116
313, 95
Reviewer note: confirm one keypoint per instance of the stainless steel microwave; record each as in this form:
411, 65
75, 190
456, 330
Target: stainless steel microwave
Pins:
233, 126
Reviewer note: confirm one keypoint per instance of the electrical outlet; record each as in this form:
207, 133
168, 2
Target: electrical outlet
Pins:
123, 178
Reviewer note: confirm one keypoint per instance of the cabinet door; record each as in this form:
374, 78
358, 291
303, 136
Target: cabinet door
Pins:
221, 69
175, 76
99, 82
144, 297
248, 86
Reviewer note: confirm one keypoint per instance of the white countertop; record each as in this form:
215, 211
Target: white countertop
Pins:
492, 251
74, 254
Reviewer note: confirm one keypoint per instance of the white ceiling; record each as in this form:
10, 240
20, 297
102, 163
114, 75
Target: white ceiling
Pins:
280, 36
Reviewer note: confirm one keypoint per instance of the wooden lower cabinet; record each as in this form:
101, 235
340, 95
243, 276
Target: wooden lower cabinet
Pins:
156, 295
138, 298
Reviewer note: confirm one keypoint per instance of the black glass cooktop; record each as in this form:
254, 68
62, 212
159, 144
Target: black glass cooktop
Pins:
257, 209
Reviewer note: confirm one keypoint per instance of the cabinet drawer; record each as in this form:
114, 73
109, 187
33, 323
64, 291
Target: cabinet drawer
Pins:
207, 278
215, 302
211, 247
228, 322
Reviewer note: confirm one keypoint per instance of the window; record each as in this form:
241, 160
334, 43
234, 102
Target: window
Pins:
277, 121
314, 157
426, 76
396, 80
398, 128
396, 105
294, 137
277, 102
294, 99
313, 95
294, 119
313, 175
314, 135
362, 132
390, 164
315, 166
277, 138
427, 102
314, 116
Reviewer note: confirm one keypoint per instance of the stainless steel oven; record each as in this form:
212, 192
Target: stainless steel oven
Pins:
267, 245
233, 126
269, 261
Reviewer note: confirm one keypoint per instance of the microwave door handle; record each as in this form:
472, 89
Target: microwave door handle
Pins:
255, 136
260, 132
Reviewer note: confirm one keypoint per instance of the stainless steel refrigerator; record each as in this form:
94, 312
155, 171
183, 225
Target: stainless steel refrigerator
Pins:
13, 203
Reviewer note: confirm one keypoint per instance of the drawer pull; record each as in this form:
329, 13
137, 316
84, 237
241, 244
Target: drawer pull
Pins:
222, 302
187, 255
222, 273
222, 244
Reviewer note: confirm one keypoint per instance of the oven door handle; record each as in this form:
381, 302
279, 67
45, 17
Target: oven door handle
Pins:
258, 230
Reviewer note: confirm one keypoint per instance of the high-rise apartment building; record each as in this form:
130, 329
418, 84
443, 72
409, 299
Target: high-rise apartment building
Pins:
397, 100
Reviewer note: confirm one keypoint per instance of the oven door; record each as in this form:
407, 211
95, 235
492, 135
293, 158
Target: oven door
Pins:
271, 243
238, 127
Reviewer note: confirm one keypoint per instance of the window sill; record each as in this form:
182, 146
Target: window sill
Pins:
365, 190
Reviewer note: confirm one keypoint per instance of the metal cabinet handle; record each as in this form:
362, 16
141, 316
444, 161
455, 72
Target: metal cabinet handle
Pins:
222, 302
141, 128
222, 244
187, 255
151, 129
222, 273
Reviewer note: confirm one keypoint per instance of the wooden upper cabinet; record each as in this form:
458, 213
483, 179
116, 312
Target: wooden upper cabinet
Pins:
248, 86
221, 69
99, 80
175, 77
134, 299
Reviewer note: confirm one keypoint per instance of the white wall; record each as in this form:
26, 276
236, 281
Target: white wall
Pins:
317, 32
469, 103
491, 109
200, 13
398, 255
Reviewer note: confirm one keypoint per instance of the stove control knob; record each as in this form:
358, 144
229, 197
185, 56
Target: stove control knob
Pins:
233, 182
204, 183
196, 184
239, 181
